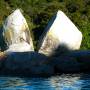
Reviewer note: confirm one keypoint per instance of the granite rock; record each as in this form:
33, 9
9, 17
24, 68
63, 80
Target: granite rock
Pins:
16, 31
60, 31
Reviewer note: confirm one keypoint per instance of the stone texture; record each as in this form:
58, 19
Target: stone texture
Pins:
66, 64
60, 31
36, 64
83, 57
23, 60
31, 63
16, 32
2, 59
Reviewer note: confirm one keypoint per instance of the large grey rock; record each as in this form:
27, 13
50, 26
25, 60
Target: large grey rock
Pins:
16, 33
60, 31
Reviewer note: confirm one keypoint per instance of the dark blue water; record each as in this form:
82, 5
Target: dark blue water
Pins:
61, 82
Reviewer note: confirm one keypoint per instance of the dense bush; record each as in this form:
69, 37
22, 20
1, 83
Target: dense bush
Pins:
39, 12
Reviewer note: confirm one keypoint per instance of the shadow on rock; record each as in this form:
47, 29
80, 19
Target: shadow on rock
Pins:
65, 60
3, 45
35, 64
26, 64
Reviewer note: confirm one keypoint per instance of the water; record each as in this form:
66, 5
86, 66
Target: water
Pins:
61, 82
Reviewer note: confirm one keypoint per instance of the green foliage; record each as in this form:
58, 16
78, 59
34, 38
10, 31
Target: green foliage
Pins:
39, 12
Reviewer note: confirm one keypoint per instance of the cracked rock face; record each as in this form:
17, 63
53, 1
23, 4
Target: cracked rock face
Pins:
60, 31
16, 32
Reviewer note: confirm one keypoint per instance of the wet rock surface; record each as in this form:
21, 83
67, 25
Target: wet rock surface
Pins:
36, 64
27, 63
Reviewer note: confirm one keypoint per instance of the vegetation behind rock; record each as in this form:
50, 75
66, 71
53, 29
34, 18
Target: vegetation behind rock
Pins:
39, 12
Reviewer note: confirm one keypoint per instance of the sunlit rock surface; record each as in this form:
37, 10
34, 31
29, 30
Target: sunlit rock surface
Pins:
60, 31
16, 32
19, 47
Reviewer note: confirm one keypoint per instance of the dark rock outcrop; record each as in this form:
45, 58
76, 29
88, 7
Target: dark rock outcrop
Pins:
27, 63
36, 64
66, 64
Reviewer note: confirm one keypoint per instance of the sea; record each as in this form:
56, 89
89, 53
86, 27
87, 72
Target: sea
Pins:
79, 81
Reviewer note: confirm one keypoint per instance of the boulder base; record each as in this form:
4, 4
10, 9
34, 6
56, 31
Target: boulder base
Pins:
27, 63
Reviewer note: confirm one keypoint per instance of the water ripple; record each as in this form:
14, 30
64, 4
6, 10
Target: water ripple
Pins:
62, 82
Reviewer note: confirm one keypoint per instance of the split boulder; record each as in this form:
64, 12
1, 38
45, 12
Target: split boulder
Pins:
60, 31
16, 32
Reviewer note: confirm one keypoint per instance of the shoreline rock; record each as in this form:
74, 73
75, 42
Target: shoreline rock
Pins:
36, 64
28, 63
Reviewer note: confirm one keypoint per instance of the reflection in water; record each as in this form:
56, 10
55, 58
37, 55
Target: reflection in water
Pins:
62, 82
66, 82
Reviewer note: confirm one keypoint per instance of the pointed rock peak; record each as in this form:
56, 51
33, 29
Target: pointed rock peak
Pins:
16, 17
16, 31
60, 34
